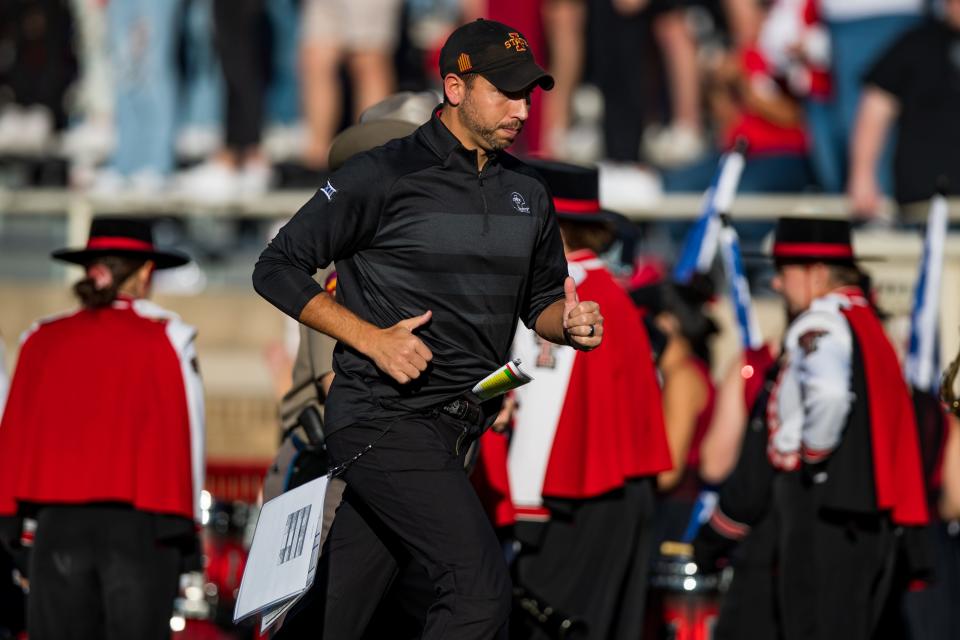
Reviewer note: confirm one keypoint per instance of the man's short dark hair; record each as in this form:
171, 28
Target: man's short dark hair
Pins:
468, 79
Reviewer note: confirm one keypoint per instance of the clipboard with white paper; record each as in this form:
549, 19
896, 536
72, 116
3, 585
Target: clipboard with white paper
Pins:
283, 556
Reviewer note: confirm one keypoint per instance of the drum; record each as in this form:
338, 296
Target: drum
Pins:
688, 600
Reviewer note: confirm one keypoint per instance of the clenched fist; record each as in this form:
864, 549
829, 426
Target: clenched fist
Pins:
399, 353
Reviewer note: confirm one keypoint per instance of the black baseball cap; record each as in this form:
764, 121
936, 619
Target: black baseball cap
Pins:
497, 52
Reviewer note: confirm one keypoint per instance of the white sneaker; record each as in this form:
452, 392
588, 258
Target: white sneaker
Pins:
25, 130
91, 142
147, 183
35, 130
107, 183
627, 187
255, 179
587, 104
195, 141
584, 143
9, 127
673, 146
283, 142
210, 182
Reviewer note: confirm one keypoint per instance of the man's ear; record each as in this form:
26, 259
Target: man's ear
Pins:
454, 88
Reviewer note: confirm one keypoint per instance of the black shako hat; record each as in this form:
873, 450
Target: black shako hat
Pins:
575, 191
807, 240
497, 52
116, 236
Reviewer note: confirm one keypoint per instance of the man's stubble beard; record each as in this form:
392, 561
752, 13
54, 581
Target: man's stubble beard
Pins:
471, 120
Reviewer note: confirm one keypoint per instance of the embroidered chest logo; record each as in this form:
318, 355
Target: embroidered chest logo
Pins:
809, 341
329, 191
516, 42
546, 358
519, 203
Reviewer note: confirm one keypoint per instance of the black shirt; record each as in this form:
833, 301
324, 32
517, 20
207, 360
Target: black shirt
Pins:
922, 70
413, 226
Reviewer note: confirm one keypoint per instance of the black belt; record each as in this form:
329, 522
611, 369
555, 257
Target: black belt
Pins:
462, 409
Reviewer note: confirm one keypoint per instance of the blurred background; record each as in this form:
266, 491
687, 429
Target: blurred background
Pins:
216, 116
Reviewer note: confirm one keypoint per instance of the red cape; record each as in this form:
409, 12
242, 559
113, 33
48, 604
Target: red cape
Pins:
898, 473
97, 412
611, 425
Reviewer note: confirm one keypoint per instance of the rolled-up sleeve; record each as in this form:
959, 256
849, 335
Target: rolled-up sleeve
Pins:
341, 218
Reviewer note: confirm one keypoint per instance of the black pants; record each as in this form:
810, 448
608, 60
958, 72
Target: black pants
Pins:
97, 573
932, 612
39, 34
748, 610
836, 569
623, 62
242, 38
408, 499
593, 560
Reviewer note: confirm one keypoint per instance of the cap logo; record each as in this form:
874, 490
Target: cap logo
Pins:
463, 63
516, 42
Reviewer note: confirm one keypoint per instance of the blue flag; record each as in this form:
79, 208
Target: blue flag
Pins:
750, 335
700, 245
922, 364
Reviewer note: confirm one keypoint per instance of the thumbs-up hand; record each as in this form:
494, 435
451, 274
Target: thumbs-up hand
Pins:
399, 353
582, 322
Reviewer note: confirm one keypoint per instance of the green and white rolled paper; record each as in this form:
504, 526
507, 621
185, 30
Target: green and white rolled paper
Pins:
506, 378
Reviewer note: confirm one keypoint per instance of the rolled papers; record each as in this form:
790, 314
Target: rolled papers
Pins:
506, 378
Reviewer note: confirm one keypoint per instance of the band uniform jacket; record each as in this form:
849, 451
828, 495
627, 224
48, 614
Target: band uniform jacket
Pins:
105, 405
589, 421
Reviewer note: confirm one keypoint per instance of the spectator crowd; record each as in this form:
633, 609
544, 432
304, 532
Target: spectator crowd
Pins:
220, 100
677, 474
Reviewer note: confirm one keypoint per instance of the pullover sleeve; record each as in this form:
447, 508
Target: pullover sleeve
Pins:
549, 269
340, 219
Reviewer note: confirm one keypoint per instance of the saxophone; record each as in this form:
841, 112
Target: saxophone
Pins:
948, 386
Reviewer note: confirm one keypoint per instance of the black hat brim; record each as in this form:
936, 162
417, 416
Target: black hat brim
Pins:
83, 257
520, 76
601, 215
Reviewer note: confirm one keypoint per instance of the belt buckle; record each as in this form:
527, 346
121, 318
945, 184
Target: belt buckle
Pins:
461, 409
457, 408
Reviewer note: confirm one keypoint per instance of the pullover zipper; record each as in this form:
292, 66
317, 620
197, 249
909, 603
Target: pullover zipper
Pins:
483, 197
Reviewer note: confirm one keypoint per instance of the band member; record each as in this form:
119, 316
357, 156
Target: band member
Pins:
588, 440
836, 458
102, 443
689, 395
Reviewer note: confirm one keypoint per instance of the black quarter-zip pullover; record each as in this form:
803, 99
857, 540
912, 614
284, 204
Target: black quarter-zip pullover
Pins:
414, 226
